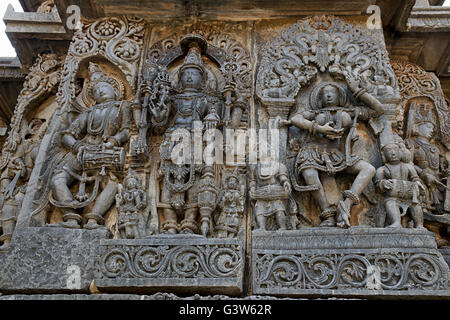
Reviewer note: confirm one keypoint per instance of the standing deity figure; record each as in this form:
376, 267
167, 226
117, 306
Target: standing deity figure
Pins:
14, 178
94, 139
131, 200
420, 130
401, 185
325, 121
194, 110
231, 205
270, 188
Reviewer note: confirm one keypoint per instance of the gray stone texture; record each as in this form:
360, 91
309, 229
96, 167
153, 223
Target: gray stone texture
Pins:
48, 260
180, 263
359, 261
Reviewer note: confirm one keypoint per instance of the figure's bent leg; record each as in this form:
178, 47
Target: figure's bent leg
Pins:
417, 216
327, 214
280, 217
393, 213
364, 173
103, 202
261, 222
60, 187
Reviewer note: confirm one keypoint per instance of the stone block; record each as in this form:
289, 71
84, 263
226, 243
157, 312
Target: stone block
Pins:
51, 260
181, 264
358, 261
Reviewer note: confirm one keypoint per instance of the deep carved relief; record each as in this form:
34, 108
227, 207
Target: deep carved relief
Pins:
343, 207
22, 145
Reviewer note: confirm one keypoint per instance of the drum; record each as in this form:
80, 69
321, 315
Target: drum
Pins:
96, 158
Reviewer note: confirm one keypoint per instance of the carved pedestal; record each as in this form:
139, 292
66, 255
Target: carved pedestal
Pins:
181, 264
50, 260
358, 262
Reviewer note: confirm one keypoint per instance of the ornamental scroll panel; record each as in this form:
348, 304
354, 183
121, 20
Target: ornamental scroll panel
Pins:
340, 270
318, 44
117, 39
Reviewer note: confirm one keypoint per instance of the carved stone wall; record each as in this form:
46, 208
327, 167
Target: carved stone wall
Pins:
358, 170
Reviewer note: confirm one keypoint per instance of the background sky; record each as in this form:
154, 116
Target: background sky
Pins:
6, 50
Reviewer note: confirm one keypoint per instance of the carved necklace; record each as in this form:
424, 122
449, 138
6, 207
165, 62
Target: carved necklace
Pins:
92, 115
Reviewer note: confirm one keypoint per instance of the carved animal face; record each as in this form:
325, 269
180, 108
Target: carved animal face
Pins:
330, 96
191, 78
103, 92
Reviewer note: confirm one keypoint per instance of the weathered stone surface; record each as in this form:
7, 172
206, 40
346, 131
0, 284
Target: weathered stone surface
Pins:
50, 260
363, 141
445, 251
171, 263
354, 262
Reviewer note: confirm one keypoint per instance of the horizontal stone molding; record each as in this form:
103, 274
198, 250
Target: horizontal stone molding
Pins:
177, 263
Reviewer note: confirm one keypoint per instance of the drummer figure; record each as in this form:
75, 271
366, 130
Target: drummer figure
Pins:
99, 132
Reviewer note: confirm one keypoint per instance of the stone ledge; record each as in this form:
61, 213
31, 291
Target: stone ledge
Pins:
50, 260
357, 262
334, 238
171, 263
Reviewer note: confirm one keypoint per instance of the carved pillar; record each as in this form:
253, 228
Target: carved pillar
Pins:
278, 109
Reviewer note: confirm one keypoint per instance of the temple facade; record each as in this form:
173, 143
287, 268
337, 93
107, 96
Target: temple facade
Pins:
226, 149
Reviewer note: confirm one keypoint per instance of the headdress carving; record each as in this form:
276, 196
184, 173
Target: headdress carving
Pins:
194, 60
419, 113
193, 45
96, 76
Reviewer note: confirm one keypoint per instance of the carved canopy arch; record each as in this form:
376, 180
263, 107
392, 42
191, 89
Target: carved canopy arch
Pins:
40, 83
119, 40
415, 83
316, 45
233, 59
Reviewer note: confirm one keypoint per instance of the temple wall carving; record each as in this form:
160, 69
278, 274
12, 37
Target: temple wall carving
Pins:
148, 142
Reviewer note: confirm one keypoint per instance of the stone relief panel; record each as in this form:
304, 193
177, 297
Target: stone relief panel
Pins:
200, 79
28, 127
331, 80
423, 122
84, 154
123, 163
344, 171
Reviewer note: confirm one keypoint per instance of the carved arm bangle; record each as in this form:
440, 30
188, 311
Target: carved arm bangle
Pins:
313, 128
76, 147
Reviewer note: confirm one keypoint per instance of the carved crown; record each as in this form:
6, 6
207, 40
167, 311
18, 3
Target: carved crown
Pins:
96, 76
194, 59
